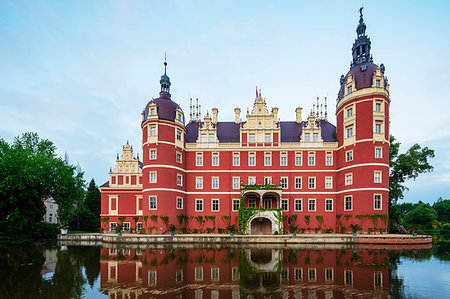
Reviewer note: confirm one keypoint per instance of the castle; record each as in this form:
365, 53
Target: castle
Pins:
260, 175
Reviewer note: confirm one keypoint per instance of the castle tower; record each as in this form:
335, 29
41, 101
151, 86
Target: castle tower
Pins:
362, 113
163, 146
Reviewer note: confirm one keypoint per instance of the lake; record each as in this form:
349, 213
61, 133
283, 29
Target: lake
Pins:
221, 271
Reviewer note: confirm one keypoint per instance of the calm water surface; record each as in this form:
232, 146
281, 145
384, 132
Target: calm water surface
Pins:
224, 272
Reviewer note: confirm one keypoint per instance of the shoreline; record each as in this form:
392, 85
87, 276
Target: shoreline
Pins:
388, 240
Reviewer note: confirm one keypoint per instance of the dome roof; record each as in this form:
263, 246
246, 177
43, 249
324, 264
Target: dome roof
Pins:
362, 73
166, 108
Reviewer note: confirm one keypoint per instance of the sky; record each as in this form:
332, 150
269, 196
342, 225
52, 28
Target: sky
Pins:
80, 72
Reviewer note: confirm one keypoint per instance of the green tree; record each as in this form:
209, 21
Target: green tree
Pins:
404, 167
30, 171
405, 207
92, 200
443, 210
422, 215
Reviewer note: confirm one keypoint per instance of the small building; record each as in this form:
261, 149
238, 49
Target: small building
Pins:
51, 208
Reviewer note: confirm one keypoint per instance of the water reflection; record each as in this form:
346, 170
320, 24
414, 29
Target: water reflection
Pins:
244, 273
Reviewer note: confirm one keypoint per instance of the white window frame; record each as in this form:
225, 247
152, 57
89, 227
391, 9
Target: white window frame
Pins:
199, 159
377, 176
310, 201
179, 179
150, 202
153, 177
215, 159
233, 205
153, 131
348, 179
349, 156
215, 182
213, 201
252, 158
329, 185
199, 201
236, 159
286, 202
284, 185
298, 158
198, 182
179, 203
297, 180
198, 277
251, 138
351, 203
236, 182
267, 138
252, 180
312, 182
179, 157
267, 180
380, 149
150, 155
375, 201
296, 201
332, 205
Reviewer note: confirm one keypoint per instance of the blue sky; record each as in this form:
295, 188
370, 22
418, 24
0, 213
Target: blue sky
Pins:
80, 72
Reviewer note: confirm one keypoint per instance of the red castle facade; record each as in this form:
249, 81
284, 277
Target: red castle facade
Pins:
321, 177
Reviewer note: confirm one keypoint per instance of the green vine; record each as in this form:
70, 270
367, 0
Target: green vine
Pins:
154, 218
307, 219
338, 218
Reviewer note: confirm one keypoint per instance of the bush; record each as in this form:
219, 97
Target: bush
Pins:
445, 230
46, 230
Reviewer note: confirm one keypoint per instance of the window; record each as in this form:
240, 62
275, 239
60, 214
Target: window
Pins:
378, 152
328, 205
268, 180
298, 159
349, 132
349, 112
179, 157
179, 135
284, 274
235, 273
153, 177
215, 182
378, 279
349, 89
236, 183
378, 128
215, 205
298, 274
267, 203
377, 177
349, 156
298, 205
214, 274
312, 183
199, 205
151, 278
267, 138
284, 204
112, 226
153, 111
179, 180
312, 274
348, 277
251, 159
307, 139
377, 202
153, 131
377, 107
152, 202
251, 180
152, 154
179, 116
215, 161
199, 182
179, 276
328, 182
50, 218
284, 183
211, 138
329, 160
235, 205
348, 203
203, 138
283, 160
377, 83
179, 203
329, 274
199, 273
315, 137
139, 226
349, 179
298, 183
126, 226
267, 161
311, 160
199, 160
311, 205
252, 203
251, 138
236, 159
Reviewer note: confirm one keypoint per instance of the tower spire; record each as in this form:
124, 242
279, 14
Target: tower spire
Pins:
165, 80
361, 46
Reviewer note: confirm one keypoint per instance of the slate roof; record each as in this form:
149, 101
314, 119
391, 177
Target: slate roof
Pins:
290, 131
363, 78
165, 106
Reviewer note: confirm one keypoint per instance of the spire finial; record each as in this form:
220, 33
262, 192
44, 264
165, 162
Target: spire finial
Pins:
165, 80
361, 46
165, 62
360, 12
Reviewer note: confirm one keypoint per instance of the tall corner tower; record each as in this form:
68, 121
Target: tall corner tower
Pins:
163, 147
362, 113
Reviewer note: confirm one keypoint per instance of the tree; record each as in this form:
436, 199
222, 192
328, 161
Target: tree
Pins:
406, 166
405, 207
92, 200
443, 210
30, 171
422, 215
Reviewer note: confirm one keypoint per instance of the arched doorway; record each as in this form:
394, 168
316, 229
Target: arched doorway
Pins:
261, 226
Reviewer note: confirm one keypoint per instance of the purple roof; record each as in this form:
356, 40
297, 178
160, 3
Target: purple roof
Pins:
290, 131
166, 107
363, 78
105, 185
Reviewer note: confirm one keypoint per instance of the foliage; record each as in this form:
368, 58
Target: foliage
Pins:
154, 218
443, 210
355, 227
307, 219
405, 207
422, 215
445, 230
406, 166
92, 200
29, 172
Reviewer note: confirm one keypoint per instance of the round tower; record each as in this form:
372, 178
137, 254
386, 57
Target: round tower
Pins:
163, 146
362, 113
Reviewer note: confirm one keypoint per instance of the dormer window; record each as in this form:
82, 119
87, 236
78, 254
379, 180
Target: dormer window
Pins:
179, 116
153, 111
179, 135
251, 138
267, 138
377, 83
349, 90
307, 139
203, 138
211, 138
315, 137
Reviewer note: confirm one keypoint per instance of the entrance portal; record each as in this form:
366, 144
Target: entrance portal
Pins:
261, 226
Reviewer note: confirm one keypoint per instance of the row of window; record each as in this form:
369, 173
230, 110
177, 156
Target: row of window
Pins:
376, 177
378, 154
377, 129
153, 132
267, 204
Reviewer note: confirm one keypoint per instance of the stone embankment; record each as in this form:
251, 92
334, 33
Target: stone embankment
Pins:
281, 240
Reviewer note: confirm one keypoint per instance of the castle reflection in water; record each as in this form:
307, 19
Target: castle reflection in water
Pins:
244, 273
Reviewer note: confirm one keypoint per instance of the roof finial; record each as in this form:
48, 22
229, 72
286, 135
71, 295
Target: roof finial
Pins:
256, 91
165, 62
360, 12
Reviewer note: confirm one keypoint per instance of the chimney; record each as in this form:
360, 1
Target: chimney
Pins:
298, 114
275, 113
215, 113
237, 115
